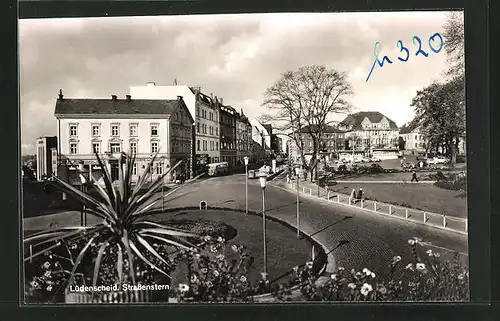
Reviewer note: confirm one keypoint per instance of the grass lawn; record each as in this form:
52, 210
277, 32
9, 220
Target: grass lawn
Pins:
425, 197
384, 176
284, 251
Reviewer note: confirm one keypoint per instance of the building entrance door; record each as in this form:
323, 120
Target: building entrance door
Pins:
114, 170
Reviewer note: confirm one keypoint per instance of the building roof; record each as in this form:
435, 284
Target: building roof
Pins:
71, 106
328, 129
406, 129
356, 119
269, 128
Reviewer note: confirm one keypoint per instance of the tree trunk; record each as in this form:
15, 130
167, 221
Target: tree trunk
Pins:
453, 151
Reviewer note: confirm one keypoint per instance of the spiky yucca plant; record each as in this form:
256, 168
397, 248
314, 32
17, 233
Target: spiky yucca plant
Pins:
124, 228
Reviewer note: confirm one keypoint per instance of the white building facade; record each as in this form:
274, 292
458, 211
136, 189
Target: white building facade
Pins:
204, 110
110, 127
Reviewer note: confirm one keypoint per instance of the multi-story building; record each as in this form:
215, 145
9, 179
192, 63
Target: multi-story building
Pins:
332, 140
110, 127
227, 124
46, 155
243, 137
203, 109
262, 139
371, 129
414, 139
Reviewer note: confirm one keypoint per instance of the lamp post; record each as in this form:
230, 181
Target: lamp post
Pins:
297, 172
162, 184
246, 183
83, 180
263, 181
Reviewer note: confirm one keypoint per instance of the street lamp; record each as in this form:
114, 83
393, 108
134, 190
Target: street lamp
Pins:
297, 172
163, 184
83, 179
263, 181
246, 183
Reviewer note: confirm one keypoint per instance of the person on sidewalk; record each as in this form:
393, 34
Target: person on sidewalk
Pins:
414, 176
360, 194
352, 198
288, 178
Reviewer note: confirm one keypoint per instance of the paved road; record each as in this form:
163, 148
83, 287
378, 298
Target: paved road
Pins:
373, 240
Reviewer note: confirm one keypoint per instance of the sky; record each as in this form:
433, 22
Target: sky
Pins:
232, 56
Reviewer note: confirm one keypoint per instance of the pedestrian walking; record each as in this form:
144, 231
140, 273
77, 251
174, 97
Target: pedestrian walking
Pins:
353, 196
360, 194
414, 177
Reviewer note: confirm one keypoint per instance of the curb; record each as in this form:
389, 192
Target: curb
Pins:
386, 182
291, 188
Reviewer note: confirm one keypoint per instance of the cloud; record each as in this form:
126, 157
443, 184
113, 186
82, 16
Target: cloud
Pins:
232, 56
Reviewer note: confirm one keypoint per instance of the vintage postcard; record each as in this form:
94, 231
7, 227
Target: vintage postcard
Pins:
260, 158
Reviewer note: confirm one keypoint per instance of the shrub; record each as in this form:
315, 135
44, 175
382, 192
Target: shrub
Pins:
454, 184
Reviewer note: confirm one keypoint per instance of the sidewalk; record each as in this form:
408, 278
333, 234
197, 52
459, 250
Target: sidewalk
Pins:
454, 224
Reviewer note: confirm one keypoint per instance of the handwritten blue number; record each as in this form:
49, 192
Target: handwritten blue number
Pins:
431, 39
419, 51
377, 60
401, 49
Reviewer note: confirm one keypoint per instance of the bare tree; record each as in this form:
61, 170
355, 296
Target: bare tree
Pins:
302, 103
454, 43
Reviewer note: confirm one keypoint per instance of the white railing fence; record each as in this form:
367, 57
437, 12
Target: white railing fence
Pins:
459, 225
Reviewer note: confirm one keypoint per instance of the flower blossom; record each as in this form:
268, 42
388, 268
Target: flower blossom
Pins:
183, 287
409, 266
49, 288
204, 270
420, 266
220, 239
243, 278
396, 258
309, 264
429, 252
352, 285
46, 265
382, 290
333, 276
216, 273
411, 242
47, 274
295, 269
365, 289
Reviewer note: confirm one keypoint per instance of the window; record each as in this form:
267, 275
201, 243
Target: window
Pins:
204, 128
115, 147
211, 116
133, 130
154, 147
211, 145
115, 130
216, 145
159, 169
96, 130
217, 131
211, 130
133, 147
73, 148
154, 129
198, 127
198, 111
96, 148
73, 130
198, 143
204, 145
134, 169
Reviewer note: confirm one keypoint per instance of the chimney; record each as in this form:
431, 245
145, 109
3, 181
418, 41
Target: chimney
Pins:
60, 94
221, 101
179, 97
128, 97
151, 84
113, 97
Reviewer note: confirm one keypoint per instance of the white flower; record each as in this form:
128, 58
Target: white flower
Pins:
193, 278
197, 256
207, 238
220, 239
213, 248
429, 252
309, 264
216, 273
243, 278
340, 269
34, 284
366, 271
397, 258
334, 276
183, 287
263, 275
47, 274
234, 248
411, 242
365, 289
409, 266
295, 268
420, 266
49, 288
372, 275
383, 290
352, 285
204, 270
46, 265
437, 255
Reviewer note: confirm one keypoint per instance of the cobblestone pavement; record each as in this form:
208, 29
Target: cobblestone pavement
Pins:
373, 240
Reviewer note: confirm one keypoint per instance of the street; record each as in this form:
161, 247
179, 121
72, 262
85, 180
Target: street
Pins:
373, 239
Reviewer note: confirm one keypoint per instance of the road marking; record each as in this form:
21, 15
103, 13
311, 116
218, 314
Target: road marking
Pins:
442, 248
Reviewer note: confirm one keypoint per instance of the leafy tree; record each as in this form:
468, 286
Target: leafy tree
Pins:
440, 110
401, 143
302, 103
454, 43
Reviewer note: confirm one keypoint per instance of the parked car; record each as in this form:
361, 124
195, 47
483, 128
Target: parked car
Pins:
365, 160
252, 174
437, 160
375, 159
